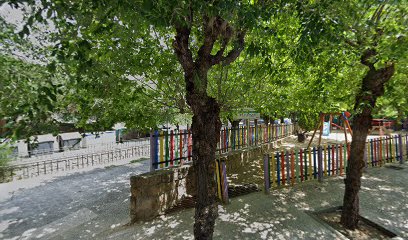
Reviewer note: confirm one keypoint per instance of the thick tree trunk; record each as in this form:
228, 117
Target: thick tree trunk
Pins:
206, 127
301, 136
206, 111
235, 123
206, 131
350, 213
372, 88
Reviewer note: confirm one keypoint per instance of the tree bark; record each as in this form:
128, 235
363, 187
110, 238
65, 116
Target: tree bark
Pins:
235, 123
206, 123
206, 130
301, 136
372, 88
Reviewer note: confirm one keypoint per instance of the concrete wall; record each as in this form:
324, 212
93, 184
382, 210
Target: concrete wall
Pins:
246, 166
154, 193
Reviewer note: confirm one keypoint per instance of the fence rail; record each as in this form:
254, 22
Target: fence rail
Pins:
287, 168
295, 166
175, 147
43, 155
34, 169
243, 137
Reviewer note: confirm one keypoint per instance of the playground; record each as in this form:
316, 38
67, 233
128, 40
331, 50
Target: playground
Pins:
286, 212
284, 164
285, 161
296, 181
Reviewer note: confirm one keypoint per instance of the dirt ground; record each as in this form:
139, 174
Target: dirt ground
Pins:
335, 137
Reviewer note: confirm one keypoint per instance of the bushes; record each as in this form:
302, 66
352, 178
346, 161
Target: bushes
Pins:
5, 152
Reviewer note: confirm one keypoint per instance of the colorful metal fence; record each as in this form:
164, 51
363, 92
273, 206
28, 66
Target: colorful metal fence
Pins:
246, 136
222, 182
169, 149
172, 148
294, 166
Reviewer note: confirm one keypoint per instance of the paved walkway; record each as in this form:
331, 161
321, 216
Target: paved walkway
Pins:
94, 205
77, 206
283, 214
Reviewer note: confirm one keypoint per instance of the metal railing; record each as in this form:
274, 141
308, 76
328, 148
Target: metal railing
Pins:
34, 169
44, 155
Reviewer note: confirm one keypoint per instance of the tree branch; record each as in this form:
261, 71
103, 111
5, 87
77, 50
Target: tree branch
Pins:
214, 27
181, 44
234, 53
366, 58
181, 48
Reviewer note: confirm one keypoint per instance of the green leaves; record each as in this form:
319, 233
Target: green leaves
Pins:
28, 97
299, 57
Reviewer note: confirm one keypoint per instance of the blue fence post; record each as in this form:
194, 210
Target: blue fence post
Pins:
320, 161
152, 150
156, 149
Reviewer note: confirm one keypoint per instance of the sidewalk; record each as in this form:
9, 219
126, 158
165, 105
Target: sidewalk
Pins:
75, 206
94, 205
283, 214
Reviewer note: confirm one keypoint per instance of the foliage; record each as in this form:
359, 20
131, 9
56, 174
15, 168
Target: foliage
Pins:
27, 95
301, 57
5, 152
275, 78
394, 103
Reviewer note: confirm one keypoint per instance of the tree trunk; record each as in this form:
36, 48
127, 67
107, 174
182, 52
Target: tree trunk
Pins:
235, 123
205, 128
301, 136
372, 87
206, 111
355, 166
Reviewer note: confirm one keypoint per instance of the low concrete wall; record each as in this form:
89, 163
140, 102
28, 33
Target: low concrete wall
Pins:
154, 193
246, 166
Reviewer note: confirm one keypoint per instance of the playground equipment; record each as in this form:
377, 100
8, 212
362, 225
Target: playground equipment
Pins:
382, 125
325, 127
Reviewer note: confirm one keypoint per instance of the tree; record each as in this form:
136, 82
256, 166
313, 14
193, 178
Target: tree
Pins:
205, 34
121, 41
28, 95
394, 103
379, 37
